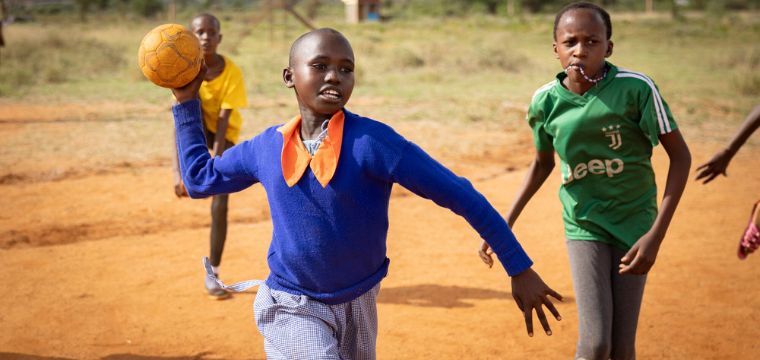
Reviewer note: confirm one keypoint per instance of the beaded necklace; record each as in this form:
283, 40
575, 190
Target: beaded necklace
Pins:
583, 73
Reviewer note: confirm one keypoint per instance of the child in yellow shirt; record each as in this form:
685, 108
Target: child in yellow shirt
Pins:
222, 93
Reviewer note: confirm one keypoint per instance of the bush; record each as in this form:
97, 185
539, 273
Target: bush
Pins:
147, 8
55, 58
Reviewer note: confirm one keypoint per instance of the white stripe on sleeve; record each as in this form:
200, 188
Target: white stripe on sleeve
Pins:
662, 116
543, 88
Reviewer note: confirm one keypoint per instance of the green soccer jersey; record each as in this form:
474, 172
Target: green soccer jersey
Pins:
604, 140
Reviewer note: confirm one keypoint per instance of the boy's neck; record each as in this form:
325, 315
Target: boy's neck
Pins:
311, 123
213, 60
215, 65
579, 88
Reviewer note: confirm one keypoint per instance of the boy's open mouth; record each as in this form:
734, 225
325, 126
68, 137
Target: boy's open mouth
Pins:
330, 94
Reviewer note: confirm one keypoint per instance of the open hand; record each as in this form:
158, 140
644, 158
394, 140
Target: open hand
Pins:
190, 91
640, 259
716, 166
530, 292
485, 254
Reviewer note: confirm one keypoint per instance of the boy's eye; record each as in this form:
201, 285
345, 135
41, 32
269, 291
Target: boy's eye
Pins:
347, 70
319, 66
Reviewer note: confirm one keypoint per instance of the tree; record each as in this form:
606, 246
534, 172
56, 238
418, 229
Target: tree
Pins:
312, 8
3, 15
83, 7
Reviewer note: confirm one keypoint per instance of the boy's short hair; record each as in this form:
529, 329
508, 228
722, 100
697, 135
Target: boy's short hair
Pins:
585, 5
208, 16
297, 42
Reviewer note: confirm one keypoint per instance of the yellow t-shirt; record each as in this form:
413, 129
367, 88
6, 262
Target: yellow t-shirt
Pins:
226, 91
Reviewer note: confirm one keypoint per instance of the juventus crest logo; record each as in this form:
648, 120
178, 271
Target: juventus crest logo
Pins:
613, 132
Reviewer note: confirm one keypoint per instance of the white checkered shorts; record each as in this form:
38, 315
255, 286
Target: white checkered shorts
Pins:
298, 327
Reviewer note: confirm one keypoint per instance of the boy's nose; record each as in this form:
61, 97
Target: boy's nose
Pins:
332, 76
580, 51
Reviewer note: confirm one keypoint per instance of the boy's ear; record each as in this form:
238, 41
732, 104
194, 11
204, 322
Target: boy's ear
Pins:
609, 49
554, 46
220, 39
287, 77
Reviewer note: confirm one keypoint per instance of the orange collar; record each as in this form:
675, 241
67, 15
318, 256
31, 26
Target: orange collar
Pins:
295, 158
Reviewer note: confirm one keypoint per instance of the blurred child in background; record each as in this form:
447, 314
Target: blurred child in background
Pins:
222, 94
750, 239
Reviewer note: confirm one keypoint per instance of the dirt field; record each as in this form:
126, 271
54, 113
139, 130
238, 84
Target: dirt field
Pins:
101, 261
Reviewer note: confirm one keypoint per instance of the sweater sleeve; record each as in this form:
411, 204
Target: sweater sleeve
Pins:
203, 175
426, 177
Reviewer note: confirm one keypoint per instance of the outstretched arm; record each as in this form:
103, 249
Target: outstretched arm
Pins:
719, 162
641, 257
427, 178
539, 171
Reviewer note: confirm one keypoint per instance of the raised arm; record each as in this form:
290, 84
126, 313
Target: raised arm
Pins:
719, 162
641, 257
539, 171
204, 175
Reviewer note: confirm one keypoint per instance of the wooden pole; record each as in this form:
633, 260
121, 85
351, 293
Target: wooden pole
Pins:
3, 16
270, 17
649, 6
303, 20
172, 11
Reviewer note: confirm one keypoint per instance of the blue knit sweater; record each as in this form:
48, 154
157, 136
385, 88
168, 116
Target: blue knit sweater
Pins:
330, 243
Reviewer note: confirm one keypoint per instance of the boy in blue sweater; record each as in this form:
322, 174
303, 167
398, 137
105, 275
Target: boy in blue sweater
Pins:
328, 175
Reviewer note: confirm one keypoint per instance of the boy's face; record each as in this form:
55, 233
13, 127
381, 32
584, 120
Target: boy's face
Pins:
581, 41
207, 31
322, 72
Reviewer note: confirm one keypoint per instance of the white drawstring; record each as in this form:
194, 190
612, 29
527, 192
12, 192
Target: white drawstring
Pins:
238, 287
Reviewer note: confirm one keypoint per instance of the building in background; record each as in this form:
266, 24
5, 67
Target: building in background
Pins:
362, 10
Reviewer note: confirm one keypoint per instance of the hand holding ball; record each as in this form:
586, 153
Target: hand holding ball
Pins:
170, 56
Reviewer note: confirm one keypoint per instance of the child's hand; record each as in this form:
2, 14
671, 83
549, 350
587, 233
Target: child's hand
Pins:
530, 292
190, 91
640, 259
179, 189
716, 166
485, 253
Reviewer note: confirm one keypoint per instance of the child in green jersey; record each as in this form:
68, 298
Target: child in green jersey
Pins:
750, 239
603, 122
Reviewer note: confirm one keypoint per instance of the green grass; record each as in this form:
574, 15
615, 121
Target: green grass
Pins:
451, 69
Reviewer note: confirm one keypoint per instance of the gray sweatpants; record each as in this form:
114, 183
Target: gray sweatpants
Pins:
608, 303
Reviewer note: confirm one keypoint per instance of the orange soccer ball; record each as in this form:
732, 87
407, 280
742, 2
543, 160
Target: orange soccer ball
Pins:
170, 56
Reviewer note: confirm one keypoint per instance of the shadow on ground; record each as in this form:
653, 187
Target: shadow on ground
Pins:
430, 295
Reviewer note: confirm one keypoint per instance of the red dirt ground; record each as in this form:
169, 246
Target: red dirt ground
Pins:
101, 261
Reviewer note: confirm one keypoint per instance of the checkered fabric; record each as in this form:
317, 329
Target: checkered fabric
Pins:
298, 327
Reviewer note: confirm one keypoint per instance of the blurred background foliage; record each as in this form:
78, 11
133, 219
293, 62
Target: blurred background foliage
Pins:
474, 59
27, 9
